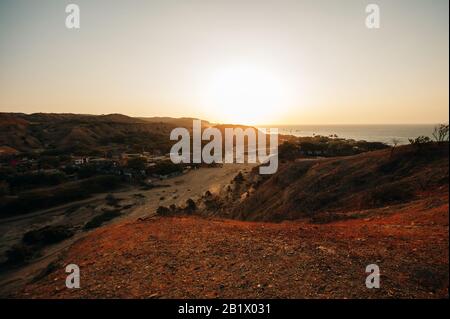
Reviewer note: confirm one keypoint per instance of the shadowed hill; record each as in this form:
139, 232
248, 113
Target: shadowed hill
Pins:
75, 132
80, 133
308, 188
179, 122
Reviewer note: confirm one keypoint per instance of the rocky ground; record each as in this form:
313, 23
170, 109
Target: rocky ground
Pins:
194, 257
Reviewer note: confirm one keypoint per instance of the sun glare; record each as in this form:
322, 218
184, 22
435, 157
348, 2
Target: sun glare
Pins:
245, 95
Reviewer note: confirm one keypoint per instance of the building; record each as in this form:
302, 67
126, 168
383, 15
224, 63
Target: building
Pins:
80, 160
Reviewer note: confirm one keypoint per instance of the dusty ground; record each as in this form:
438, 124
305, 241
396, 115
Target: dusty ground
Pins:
193, 257
76, 214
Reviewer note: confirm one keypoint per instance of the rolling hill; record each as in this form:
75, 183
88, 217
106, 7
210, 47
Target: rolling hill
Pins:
75, 132
335, 187
78, 133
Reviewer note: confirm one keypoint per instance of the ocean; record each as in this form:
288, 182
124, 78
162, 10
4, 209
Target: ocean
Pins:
370, 133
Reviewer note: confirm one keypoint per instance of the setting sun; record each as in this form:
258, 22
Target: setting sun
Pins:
245, 94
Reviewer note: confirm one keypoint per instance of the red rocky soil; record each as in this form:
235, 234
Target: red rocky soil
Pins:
193, 257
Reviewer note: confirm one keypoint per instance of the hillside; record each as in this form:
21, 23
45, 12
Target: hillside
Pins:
334, 187
379, 207
179, 122
80, 133
191, 257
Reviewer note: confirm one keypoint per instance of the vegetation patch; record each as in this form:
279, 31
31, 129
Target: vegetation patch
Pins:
48, 197
47, 235
98, 220
19, 254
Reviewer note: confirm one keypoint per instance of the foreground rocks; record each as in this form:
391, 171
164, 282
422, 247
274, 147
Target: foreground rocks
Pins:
193, 257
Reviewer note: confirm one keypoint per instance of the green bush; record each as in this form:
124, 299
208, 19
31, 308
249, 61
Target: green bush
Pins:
165, 168
32, 180
53, 196
19, 254
137, 163
47, 235
97, 221
111, 200
163, 211
288, 151
191, 207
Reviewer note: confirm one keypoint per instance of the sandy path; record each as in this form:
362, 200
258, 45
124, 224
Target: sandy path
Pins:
191, 185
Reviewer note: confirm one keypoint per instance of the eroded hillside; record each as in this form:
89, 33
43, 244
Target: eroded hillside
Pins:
317, 188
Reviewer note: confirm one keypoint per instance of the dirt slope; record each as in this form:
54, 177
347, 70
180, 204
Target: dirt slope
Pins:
192, 257
306, 188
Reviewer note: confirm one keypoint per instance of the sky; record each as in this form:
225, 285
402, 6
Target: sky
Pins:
239, 61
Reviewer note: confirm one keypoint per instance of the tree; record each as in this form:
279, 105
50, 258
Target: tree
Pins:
288, 151
137, 163
163, 211
165, 168
239, 178
440, 133
419, 142
394, 143
190, 206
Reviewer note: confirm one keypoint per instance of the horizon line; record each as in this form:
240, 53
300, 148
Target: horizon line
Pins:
221, 123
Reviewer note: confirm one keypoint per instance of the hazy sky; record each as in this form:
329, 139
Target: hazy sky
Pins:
248, 61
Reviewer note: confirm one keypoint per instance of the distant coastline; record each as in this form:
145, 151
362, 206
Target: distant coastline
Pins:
369, 132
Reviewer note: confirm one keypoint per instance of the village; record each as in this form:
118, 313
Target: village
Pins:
23, 175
